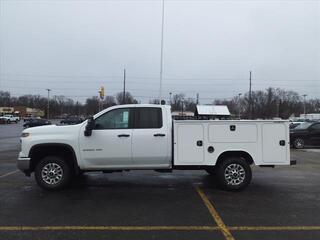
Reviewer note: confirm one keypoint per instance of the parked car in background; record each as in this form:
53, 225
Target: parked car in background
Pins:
294, 124
27, 119
8, 118
71, 120
306, 133
35, 122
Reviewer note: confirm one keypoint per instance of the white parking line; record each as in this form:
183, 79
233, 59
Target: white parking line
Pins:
9, 173
312, 150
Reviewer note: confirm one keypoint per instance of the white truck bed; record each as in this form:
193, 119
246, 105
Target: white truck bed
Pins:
267, 142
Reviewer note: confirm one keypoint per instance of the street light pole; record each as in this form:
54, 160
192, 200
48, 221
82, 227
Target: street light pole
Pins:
161, 54
250, 97
304, 105
48, 107
239, 105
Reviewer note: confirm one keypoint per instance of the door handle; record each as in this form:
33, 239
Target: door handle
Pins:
123, 135
159, 135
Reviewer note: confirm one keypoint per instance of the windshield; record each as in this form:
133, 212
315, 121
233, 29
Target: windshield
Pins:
304, 125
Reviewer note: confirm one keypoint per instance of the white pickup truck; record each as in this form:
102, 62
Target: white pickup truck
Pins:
8, 118
144, 136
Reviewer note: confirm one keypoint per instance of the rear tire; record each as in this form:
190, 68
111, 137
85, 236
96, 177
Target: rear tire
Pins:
52, 173
298, 143
233, 174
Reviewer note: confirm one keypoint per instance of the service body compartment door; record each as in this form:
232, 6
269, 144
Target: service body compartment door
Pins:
188, 144
275, 141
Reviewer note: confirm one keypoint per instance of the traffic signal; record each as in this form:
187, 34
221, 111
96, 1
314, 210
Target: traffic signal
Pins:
101, 92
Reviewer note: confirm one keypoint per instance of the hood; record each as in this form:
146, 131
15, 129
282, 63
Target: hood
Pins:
52, 129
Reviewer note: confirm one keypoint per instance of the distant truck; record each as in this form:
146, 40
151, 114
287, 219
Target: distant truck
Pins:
8, 118
144, 136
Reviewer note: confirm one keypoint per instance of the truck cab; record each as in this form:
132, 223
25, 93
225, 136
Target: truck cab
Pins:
128, 137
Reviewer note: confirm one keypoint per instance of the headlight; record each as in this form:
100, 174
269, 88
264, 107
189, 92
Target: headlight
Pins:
25, 134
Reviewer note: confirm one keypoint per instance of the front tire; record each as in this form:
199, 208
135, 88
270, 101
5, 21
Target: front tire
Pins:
298, 143
233, 174
52, 173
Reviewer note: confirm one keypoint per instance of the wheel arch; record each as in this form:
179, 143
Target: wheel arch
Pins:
39, 151
235, 153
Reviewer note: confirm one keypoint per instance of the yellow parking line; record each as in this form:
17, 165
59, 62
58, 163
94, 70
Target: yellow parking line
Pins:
274, 228
108, 228
227, 234
9, 173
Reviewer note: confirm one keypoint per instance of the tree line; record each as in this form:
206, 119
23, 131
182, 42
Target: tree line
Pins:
264, 104
61, 105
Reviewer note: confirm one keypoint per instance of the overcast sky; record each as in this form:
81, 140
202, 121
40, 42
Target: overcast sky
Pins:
74, 47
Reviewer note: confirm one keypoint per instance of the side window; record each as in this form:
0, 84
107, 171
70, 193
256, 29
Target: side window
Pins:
115, 119
148, 118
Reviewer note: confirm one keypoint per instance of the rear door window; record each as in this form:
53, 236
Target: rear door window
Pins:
148, 117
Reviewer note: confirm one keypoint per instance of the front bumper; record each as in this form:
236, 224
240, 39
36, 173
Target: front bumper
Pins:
23, 163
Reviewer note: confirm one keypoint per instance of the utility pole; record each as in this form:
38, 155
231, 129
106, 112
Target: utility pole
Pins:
124, 87
170, 93
250, 99
182, 105
197, 102
239, 104
161, 54
278, 108
48, 107
304, 105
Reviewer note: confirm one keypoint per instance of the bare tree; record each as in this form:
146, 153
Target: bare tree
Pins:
129, 99
109, 101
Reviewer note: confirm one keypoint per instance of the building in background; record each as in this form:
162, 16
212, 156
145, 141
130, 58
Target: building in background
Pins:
6, 110
182, 115
28, 112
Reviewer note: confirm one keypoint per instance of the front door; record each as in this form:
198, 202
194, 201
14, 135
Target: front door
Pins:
109, 146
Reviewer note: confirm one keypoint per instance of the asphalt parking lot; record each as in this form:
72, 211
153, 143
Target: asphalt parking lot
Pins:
280, 203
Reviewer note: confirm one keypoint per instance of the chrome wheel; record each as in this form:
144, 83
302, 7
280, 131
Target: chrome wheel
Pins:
52, 173
234, 174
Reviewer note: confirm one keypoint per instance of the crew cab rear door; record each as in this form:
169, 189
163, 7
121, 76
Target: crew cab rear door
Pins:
150, 138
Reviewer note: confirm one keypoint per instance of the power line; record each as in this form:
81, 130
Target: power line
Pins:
259, 83
113, 77
161, 0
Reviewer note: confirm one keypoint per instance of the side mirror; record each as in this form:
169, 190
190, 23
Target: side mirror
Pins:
89, 127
